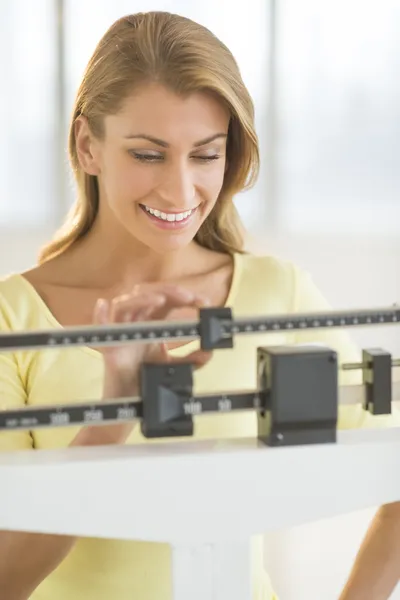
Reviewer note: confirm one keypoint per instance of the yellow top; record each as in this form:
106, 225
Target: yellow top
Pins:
101, 569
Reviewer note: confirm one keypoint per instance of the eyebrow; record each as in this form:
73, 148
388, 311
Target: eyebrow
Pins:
158, 142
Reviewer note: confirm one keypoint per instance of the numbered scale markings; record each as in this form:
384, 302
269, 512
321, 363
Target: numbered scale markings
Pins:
118, 410
160, 331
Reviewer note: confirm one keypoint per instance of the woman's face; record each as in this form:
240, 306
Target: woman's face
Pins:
160, 165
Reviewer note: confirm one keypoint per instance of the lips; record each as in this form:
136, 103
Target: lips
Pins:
171, 217
171, 221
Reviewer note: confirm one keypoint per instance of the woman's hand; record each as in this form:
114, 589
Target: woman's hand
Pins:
122, 363
146, 303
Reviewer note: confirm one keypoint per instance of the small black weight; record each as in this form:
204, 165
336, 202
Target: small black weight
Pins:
212, 334
377, 378
164, 390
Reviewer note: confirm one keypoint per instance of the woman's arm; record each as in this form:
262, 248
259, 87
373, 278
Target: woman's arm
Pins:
376, 570
26, 559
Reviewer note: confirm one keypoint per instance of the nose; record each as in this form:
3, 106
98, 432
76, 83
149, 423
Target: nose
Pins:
177, 188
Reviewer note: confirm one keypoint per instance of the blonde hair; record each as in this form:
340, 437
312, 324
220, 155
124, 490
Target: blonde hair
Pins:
186, 57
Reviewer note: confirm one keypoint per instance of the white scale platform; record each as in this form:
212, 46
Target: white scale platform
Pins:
205, 499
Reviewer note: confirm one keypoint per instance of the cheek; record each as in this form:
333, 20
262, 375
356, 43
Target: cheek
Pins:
210, 179
127, 180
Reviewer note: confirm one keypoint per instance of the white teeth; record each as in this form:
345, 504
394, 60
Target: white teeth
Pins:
169, 216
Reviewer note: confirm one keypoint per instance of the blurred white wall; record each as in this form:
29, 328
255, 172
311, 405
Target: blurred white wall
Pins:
324, 77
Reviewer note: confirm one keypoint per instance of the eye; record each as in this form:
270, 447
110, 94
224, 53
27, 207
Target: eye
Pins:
207, 158
146, 156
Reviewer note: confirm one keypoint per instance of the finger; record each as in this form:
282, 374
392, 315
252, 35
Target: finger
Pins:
163, 353
202, 301
133, 307
101, 311
160, 288
128, 308
198, 358
174, 303
175, 293
148, 305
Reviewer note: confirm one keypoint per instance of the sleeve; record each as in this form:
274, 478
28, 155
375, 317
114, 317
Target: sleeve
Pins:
12, 391
308, 298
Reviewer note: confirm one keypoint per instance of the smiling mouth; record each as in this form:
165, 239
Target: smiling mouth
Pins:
168, 217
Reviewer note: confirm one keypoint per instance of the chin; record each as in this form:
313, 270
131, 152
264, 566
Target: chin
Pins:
165, 242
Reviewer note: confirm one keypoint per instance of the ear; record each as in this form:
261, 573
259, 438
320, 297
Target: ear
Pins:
85, 146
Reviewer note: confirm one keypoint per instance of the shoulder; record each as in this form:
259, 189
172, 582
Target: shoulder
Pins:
282, 284
261, 267
16, 302
267, 275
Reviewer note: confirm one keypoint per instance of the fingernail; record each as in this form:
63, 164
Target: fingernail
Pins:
102, 310
203, 301
156, 299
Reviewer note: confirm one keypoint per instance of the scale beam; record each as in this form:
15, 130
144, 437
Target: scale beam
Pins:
124, 409
296, 400
215, 328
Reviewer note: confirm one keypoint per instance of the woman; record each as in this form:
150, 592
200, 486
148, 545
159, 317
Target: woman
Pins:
162, 137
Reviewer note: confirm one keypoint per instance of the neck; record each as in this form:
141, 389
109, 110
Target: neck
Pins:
108, 257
